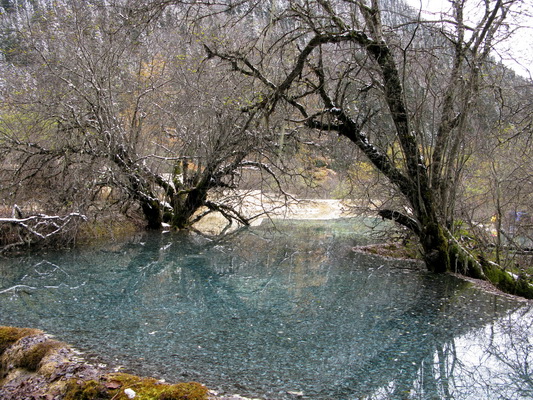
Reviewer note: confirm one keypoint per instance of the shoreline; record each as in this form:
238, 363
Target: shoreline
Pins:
394, 251
33, 365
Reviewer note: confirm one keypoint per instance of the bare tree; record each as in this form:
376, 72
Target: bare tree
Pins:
345, 69
501, 173
111, 103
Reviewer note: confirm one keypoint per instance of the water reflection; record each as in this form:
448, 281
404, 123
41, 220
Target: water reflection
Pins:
270, 312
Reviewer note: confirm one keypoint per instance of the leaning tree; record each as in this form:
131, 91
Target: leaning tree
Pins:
403, 91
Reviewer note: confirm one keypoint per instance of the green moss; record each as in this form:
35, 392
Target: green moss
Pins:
524, 287
9, 335
507, 283
151, 389
32, 358
462, 262
88, 390
114, 385
436, 251
184, 391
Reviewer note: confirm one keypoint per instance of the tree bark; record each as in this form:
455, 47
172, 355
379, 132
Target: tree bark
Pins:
185, 205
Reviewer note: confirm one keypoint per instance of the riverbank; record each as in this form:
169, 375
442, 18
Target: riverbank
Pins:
398, 251
33, 365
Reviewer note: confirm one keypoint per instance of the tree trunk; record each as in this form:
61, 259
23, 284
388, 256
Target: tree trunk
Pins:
435, 246
152, 214
185, 205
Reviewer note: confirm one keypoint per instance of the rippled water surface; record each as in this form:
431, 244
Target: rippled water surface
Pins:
277, 314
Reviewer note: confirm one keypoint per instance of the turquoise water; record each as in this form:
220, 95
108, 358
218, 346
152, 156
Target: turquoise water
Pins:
276, 314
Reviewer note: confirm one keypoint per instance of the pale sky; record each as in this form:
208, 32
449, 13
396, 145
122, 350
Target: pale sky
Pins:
517, 52
429, 5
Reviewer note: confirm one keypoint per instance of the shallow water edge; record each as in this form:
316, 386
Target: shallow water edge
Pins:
274, 314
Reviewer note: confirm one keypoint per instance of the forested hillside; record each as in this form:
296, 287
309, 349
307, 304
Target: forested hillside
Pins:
165, 111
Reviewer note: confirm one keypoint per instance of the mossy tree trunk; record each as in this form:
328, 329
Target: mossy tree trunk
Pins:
186, 205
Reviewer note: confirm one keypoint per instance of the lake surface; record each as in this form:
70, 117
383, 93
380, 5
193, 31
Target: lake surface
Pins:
276, 314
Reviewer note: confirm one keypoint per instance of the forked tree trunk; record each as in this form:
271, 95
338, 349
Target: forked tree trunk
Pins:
185, 206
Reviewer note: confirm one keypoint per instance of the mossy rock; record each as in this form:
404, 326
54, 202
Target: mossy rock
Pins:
33, 365
86, 390
32, 358
116, 386
10, 335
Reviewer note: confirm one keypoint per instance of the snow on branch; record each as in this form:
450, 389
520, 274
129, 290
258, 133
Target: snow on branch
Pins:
40, 226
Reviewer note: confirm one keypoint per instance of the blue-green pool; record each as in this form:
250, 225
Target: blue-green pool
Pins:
291, 312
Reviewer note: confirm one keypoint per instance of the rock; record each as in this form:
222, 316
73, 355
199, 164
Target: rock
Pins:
295, 393
34, 366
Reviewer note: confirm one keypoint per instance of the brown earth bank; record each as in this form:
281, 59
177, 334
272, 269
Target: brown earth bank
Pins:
34, 366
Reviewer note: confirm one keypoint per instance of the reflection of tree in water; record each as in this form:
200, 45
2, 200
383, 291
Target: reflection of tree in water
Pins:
298, 307
418, 356
502, 360
423, 361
